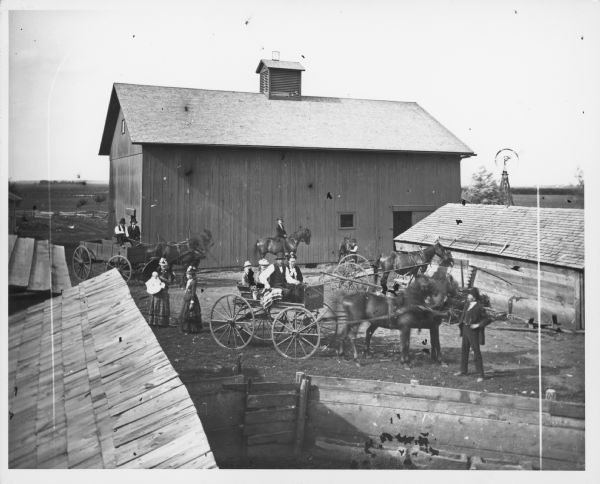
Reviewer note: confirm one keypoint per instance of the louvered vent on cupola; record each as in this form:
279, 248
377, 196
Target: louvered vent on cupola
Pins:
280, 79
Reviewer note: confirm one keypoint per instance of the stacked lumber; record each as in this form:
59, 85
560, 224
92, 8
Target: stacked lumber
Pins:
91, 387
37, 265
444, 424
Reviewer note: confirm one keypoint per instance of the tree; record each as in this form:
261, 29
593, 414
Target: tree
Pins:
579, 176
483, 189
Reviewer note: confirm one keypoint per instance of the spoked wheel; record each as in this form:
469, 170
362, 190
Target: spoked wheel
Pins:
296, 333
232, 322
262, 326
326, 318
82, 263
122, 264
356, 259
149, 268
351, 276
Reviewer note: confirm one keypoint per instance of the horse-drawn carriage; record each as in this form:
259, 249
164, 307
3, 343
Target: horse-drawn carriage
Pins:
135, 258
294, 328
127, 259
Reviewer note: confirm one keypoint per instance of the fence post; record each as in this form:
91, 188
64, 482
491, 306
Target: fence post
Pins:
301, 417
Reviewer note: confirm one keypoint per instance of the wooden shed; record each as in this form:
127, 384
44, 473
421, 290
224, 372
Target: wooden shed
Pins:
498, 246
232, 162
90, 387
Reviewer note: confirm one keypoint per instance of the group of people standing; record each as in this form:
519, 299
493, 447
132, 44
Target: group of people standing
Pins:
159, 307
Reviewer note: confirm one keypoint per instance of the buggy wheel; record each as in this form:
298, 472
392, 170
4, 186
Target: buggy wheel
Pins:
232, 322
296, 333
82, 263
149, 268
356, 259
351, 277
122, 264
262, 326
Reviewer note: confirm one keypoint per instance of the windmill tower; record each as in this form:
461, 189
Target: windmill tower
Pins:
504, 156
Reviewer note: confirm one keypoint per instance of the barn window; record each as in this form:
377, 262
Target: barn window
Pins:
123, 126
346, 220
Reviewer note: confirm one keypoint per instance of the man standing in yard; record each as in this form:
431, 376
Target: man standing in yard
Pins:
472, 322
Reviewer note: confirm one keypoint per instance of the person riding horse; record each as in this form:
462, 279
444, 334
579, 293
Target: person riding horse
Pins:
280, 229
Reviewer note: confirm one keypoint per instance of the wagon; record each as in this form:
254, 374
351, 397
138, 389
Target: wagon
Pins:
293, 328
126, 259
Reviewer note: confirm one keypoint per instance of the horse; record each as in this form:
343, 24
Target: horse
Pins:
408, 262
275, 245
187, 253
403, 312
348, 246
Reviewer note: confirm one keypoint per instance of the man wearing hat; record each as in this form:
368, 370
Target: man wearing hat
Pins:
473, 320
274, 275
134, 230
293, 277
248, 275
280, 230
121, 232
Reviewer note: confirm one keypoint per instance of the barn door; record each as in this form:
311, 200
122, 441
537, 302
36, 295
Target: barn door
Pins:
402, 221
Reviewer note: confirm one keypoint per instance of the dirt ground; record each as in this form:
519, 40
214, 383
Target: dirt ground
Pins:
510, 355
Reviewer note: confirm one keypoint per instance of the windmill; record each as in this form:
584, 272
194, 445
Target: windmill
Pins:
504, 156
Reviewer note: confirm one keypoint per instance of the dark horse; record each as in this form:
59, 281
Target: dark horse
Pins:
408, 262
187, 253
274, 245
347, 247
403, 312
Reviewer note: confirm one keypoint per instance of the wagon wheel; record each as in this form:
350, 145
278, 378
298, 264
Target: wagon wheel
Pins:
82, 262
262, 326
327, 319
122, 264
149, 268
232, 322
356, 259
352, 274
296, 333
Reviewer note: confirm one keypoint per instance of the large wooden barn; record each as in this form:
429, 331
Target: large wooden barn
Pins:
187, 160
496, 248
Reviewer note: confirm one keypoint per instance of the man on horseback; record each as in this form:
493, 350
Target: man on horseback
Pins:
280, 229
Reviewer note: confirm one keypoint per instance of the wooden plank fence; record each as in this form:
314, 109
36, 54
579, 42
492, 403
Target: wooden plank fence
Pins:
371, 418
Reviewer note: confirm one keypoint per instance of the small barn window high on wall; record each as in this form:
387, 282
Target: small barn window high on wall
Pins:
346, 220
122, 126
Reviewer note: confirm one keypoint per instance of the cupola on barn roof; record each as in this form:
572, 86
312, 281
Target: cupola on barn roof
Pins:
184, 116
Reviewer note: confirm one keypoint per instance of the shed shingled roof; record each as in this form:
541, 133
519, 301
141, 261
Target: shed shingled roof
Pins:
561, 232
172, 115
275, 64
103, 395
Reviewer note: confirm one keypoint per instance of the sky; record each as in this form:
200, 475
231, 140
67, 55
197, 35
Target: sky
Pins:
498, 74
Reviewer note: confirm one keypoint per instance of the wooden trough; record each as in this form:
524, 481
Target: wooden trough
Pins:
348, 423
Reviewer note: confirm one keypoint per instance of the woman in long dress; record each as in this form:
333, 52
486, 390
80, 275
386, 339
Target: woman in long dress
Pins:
190, 316
153, 287
161, 310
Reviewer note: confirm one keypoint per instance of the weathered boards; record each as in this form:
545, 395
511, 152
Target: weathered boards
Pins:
91, 388
351, 413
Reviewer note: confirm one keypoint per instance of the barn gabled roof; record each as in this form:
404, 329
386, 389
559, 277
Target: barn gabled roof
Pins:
92, 388
172, 115
505, 231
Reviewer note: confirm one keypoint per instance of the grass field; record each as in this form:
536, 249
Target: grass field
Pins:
60, 196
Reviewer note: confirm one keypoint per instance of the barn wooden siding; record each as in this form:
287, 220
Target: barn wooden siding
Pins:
504, 278
238, 193
125, 180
